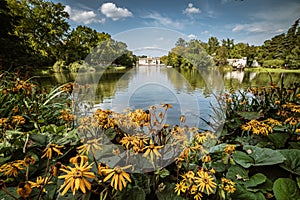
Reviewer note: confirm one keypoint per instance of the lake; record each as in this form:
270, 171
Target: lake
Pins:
193, 93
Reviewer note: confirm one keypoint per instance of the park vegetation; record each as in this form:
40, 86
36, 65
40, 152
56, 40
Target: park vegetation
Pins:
281, 51
48, 150
36, 34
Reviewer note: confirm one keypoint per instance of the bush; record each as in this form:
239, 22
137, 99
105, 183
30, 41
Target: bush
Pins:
275, 63
58, 66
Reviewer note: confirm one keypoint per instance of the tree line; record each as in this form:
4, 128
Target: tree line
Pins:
36, 33
280, 51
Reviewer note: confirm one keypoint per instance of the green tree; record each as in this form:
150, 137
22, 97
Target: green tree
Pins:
213, 45
222, 56
41, 27
81, 41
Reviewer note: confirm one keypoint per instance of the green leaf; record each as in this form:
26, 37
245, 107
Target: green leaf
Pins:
162, 173
250, 115
279, 139
292, 162
255, 180
264, 156
243, 159
236, 172
286, 189
168, 193
134, 193
298, 181
5, 196
39, 140
243, 193
218, 166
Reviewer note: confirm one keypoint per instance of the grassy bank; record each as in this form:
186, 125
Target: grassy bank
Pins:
262, 69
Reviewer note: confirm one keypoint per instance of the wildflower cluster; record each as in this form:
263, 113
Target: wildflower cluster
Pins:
196, 184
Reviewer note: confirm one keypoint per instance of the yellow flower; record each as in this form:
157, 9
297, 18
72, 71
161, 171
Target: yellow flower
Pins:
29, 160
129, 141
90, 145
189, 176
277, 102
50, 148
246, 127
205, 182
273, 121
76, 178
118, 177
102, 167
24, 189
229, 149
206, 158
200, 137
65, 115
12, 168
180, 187
40, 182
182, 118
167, 106
3, 121
17, 120
198, 196
228, 185
77, 159
152, 149
54, 168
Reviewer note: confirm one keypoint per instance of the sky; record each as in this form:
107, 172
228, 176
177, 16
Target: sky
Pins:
247, 21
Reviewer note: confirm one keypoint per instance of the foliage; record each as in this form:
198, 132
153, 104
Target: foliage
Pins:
256, 155
274, 63
187, 55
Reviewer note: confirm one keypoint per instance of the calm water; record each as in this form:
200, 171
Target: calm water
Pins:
192, 93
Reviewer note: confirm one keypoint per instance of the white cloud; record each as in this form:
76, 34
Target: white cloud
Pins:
205, 32
82, 16
191, 9
192, 36
159, 20
110, 10
269, 21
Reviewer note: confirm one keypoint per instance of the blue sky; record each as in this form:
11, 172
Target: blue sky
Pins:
248, 21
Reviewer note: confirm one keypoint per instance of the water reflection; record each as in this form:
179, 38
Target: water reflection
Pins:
144, 86
192, 92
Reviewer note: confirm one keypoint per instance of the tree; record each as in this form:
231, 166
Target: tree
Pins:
181, 42
213, 45
81, 41
222, 56
39, 26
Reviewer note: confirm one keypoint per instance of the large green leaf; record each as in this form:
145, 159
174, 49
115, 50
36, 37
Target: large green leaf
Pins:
279, 139
255, 180
243, 193
292, 162
264, 156
286, 189
243, 159
235, 172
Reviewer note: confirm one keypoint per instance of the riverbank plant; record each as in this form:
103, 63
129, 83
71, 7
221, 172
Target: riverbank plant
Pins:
49, 152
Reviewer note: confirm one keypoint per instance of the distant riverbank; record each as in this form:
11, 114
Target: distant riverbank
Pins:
279, 70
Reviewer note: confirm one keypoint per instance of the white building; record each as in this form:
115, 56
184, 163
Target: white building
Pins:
149, 61
238, 63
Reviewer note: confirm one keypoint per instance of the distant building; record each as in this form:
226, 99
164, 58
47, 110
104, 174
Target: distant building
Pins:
238, 63
149, 61
255, 63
